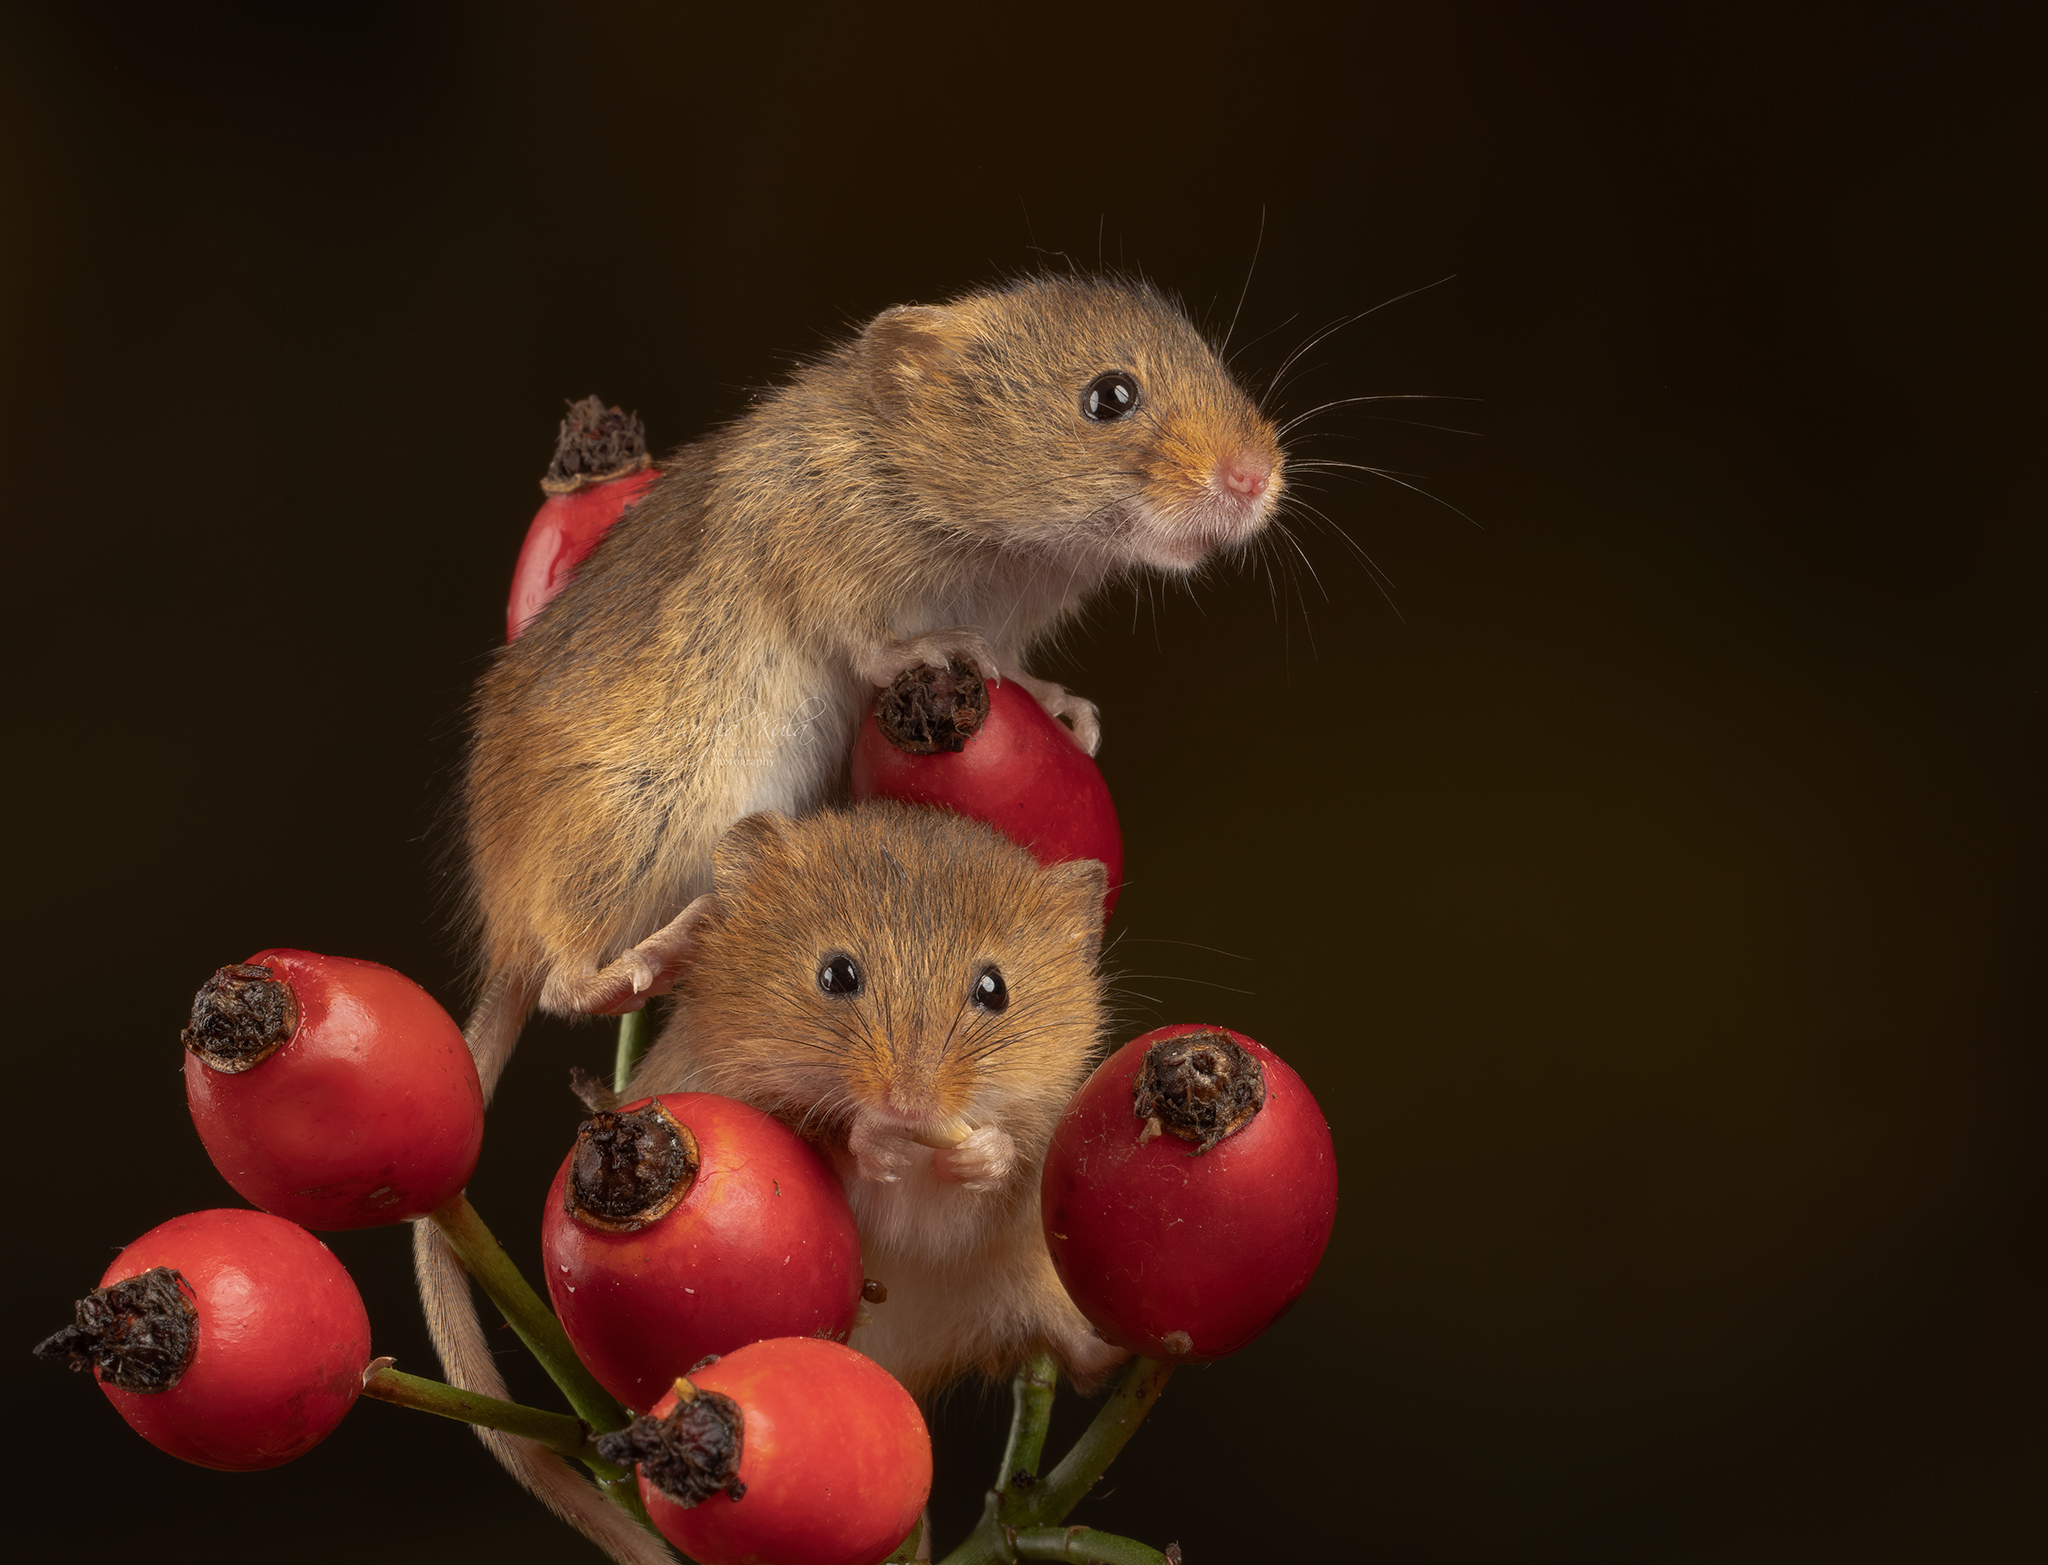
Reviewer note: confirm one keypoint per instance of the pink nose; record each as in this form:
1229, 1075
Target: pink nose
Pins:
1244, 475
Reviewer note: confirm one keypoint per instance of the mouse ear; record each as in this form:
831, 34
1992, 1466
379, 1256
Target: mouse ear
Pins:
1078, 886
906, 348
750, 842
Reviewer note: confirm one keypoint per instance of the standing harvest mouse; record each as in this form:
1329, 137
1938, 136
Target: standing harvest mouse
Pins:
954, 481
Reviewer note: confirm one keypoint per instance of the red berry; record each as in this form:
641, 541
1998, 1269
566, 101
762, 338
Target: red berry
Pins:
228, 1338
1189, 1192
600, 467
834, 1462
689, 1229
331, 1091
993, 753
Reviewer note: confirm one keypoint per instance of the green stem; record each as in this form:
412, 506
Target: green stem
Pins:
1084, 1544
636, 1032
1060, 1491
1035, 1506
1033, 1389
1033, 1393
535, 1323
560, 1432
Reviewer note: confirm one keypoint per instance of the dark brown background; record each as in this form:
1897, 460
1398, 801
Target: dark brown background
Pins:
1649, 879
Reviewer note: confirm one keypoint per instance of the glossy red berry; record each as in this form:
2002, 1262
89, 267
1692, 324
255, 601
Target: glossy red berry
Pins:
690, 1226
947, 737
1189, 1192
796, 1451
600, 467
231, 1339
334, 1092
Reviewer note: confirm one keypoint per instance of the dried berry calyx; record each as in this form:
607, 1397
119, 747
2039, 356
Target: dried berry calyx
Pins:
140, 1334
926, 710
1200, 1085
240, 1017
596, 444
691, 1454
629, 1168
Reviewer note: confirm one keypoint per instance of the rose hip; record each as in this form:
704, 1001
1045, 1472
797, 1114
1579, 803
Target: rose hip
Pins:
792, 1450
600, 467
1189, 1193
230, 1339
947, 737
331, 1091
690, 1225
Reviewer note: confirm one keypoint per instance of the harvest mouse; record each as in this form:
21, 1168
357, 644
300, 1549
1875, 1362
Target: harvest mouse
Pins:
917, 995
953, 482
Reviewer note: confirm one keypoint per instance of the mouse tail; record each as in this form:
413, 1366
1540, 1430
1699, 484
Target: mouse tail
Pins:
458, 1334
467, 1362
495, 1025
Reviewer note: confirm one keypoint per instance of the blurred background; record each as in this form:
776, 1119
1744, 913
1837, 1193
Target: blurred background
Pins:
1627, 815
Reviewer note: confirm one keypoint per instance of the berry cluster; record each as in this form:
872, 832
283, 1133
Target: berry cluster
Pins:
701, 1257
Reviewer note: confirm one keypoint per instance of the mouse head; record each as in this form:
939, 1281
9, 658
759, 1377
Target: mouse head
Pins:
1082, 418
896, 964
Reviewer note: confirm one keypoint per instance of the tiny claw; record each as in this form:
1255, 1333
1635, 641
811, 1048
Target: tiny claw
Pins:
1083, 717
375, 1366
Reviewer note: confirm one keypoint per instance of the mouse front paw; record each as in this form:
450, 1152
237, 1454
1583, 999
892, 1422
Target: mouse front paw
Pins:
982, 1162
881, 1156
1081, 713
960, 644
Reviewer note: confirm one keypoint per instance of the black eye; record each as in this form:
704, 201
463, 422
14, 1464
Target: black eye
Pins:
838, 975
1109, 396
990, 993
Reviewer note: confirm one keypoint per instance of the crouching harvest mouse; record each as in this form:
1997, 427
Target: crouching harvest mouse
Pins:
955, 481
916, 994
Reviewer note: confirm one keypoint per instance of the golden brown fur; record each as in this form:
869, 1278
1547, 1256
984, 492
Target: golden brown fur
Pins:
933, 478
923, 902
928, 490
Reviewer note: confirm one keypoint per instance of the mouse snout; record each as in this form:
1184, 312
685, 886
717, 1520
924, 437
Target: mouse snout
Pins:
1244, 473
919, 1111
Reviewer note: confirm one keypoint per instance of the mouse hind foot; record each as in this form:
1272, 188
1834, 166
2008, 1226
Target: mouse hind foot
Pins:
648, 969
959, 644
